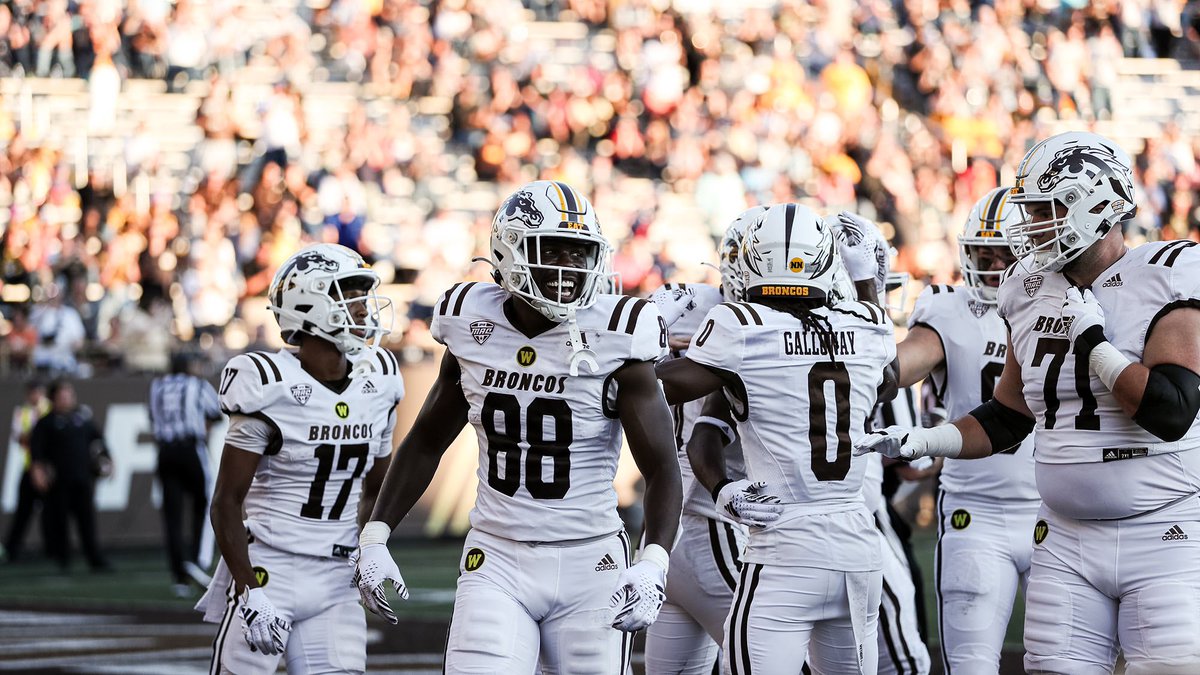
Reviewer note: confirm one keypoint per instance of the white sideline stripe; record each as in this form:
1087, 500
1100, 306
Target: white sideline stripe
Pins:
60, 645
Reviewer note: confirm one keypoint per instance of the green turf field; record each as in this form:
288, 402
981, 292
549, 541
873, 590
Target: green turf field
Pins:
140, 580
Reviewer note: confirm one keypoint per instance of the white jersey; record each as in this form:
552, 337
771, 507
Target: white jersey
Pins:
548, 442
804, 399
975, 343
304, 497
1079, 421
696, 498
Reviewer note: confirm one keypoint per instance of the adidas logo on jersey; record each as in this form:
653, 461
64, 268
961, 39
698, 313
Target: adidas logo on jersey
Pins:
1113, 282
1174, 534
369, 388
606, 564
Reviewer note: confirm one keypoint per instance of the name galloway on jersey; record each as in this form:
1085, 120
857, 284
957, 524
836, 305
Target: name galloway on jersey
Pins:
804, 343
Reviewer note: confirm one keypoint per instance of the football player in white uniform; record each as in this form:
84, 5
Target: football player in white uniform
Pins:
706, 559
548, 371
1102, 357
310, 433
801, 377
986, 508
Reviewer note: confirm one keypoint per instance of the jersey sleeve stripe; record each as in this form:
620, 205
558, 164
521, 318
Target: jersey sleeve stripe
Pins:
633, 315
736, 312
1170, 307
395, 364
270, 362
1175, 254
382, 362
446, 299
753, 313
462, 295
616, 315
1172, 248
262, 372
875, 312
937, 288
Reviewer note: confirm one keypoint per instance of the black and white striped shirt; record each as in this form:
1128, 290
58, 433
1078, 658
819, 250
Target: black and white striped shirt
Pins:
180, 405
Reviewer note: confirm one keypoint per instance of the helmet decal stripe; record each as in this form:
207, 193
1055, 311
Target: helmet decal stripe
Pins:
789, 219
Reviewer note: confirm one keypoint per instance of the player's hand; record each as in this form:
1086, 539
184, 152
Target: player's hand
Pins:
1081, 312
746, 503
863, 248
261, 625
373, 565
895, 442
673, 303
640, 591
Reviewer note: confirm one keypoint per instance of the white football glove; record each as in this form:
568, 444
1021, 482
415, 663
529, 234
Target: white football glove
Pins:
1081, 311
673, 303
641, 590
373, 565
261, 625
745, 503
911, 442
863, 248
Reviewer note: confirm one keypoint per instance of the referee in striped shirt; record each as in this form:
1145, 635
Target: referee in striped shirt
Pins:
182, 407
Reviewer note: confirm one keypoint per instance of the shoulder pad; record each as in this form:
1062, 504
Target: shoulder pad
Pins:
866, 311
745, 313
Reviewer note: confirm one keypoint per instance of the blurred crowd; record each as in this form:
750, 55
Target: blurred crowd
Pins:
395, 126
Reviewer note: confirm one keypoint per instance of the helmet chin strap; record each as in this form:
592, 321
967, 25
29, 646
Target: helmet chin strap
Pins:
580, 353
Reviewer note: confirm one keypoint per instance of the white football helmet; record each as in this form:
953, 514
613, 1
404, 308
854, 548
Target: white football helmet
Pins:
788, 253
308, 295
729, 253
984, 241
1072, 189
548, 209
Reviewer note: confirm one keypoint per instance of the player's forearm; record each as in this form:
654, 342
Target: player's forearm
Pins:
663, 505
1130, 387
975, 442
408, 476
706, 454
230, 534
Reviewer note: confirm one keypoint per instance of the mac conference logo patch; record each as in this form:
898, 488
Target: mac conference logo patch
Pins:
301, 392
482, 330
526, 356
1032, 284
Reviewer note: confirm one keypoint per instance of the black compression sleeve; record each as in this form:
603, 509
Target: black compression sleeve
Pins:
1170, 402
1005, 427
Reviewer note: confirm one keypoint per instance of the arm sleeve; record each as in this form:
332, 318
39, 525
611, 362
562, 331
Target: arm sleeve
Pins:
249, 433
242, 386
719, 342
923, 309
649, 341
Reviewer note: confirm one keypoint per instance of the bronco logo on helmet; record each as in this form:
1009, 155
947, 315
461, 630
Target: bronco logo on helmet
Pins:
520, 206
1077, 160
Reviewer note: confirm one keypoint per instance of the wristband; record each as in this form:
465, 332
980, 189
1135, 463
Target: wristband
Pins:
1108, 363
726, 431
943, 441
716, 491
374, 532
656, 554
